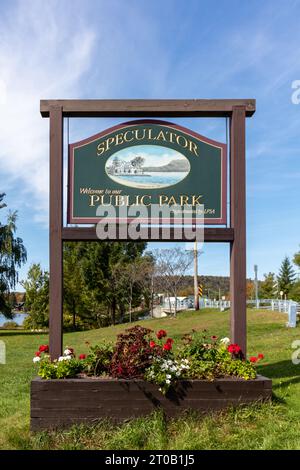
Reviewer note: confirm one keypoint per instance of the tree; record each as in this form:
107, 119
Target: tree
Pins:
267, 286
296, 259
171, 267
295, 292
75, 301
137, 162
37, 297
134, 278
98, 265
12, 255
286, 276
250, 289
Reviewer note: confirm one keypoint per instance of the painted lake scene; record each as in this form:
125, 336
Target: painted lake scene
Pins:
147, 167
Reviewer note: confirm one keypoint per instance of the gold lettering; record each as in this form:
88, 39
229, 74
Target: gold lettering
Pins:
184, 200
142, 200
137, 134
193, 148
93, 198
119, 139
125, 136
161, 136
185, 142
163, 200
100, 149
108, 142
195, 200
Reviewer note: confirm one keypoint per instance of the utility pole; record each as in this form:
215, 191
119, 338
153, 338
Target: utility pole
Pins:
196, 294
256, 286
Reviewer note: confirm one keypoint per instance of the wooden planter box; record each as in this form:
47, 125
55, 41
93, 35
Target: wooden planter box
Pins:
60, 403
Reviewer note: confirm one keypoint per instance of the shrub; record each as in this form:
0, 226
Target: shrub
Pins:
10, 325
132, 353
98, 360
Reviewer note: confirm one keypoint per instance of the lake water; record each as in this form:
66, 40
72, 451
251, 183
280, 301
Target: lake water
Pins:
18, 318
151, 180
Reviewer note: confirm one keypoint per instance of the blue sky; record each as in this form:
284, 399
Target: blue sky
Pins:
157, 49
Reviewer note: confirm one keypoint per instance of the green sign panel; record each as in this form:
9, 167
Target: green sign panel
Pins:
144, 163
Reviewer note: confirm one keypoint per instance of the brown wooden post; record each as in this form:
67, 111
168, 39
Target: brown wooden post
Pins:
55, 225
238, 223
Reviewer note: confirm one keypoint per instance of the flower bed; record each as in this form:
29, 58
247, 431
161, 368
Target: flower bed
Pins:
140, 373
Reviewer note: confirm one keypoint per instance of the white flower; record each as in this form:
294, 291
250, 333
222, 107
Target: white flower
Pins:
178, 374
67, 352
68, 358
169, 376
36, 359
186, 361
168, 381
225, 341
61, 358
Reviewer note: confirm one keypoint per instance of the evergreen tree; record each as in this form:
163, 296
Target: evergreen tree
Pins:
286, 276
12, 256
267, 287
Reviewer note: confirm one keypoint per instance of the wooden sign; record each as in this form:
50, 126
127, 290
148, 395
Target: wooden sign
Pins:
145, 163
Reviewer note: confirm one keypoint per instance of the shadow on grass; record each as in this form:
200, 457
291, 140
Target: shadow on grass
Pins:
282, 370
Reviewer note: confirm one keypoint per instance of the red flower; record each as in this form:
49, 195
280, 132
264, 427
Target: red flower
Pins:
167, 346
214, 337
260, 356
161, 334
253, 359
82, 356
170, 341
152, 344
44, 348
38, 354
234, 349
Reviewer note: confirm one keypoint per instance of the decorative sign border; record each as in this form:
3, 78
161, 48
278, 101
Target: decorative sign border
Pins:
71, 219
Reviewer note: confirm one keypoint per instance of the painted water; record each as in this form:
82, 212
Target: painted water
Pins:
147, 167
151, 180
18, 318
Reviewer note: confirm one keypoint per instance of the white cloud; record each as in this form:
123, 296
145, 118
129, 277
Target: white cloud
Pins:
42, 55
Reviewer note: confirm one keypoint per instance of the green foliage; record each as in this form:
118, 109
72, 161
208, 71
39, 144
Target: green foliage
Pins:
12, 255
295, 292
63, 369
37, 297
267, 287
286, 276
98, 360
274, 425
10, 325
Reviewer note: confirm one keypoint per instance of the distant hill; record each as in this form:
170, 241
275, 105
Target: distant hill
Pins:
174, 166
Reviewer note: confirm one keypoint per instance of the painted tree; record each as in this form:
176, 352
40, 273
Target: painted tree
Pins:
286, 276
267, 286
12, 255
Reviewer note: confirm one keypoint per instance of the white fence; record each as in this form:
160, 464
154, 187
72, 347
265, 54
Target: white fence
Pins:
291, 308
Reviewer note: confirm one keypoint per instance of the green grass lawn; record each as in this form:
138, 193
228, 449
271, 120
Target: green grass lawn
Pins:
273, 425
